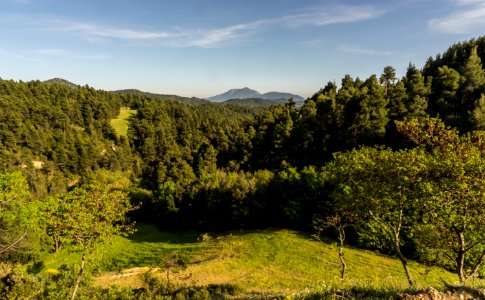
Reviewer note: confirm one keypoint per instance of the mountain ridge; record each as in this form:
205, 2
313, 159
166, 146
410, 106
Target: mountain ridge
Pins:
247, 93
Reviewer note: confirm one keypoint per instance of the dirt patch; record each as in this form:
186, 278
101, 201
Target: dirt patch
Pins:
458, 293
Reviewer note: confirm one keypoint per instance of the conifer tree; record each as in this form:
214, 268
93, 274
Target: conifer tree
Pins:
369, 126
418, 90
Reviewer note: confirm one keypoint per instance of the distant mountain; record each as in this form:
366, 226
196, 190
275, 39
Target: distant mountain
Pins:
186, 100
61, 82
247, 93
243, 93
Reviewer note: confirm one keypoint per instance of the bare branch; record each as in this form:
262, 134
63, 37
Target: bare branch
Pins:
14, 243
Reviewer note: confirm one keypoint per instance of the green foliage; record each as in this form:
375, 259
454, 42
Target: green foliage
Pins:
479, 114
189, 163
87, 214
370, 122
418, 89
459, 77
381, 188
18, 285
455, 204
20, 218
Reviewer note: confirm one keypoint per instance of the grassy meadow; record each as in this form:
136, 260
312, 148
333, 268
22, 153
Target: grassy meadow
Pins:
262, 262
120, 124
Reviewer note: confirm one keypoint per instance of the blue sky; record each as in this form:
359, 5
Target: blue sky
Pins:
205, 47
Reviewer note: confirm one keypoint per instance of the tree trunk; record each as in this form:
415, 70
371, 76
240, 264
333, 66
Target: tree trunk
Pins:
341, 253
56, 243
342, 263
404, 262
78, 281
460, 259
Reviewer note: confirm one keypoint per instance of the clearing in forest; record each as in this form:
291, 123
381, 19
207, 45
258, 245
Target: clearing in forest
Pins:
120, 124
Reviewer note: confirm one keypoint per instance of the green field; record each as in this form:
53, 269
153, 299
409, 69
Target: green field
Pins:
262, 262
120, 124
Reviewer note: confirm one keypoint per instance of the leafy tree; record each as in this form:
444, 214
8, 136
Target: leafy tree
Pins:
17, 213
382, 188
87, 215
456, 205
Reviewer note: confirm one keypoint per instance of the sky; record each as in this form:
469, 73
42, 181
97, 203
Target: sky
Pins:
202, 48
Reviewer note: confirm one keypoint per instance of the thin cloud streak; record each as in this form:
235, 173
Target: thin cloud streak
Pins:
332, 15
207, 38
462, 21
21, 57
365, 51
62, 53
95, 31
50, 52
311, 42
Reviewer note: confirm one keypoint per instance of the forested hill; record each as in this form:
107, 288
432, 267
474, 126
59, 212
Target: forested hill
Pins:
59, 134
62, 82
397, 161
187, 100
256, 102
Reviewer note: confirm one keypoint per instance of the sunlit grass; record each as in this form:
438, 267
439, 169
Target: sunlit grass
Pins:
120, 124
263, 262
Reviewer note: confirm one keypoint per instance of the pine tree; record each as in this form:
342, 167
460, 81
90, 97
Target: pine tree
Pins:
418, 90
479, 114
369, 126
473, 85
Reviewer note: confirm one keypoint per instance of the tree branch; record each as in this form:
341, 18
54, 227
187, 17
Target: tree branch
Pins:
380, 223
450, 258
14, 243
477, 265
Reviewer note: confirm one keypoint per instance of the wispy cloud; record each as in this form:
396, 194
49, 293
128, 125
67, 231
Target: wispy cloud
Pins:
469, 17
56, 52
327, 15
202, 37
97, 31
50, 52
365, 51
312, 42
21, 57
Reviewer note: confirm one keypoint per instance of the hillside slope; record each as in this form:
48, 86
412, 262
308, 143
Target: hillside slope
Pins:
262, 261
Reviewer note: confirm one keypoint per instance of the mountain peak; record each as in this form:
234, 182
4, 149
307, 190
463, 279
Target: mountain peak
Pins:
61, 81
243, 93
247, 93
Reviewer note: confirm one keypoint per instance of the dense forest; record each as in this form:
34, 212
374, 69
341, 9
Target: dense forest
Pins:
398, 161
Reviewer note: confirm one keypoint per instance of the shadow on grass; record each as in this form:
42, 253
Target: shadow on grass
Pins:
148, 233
